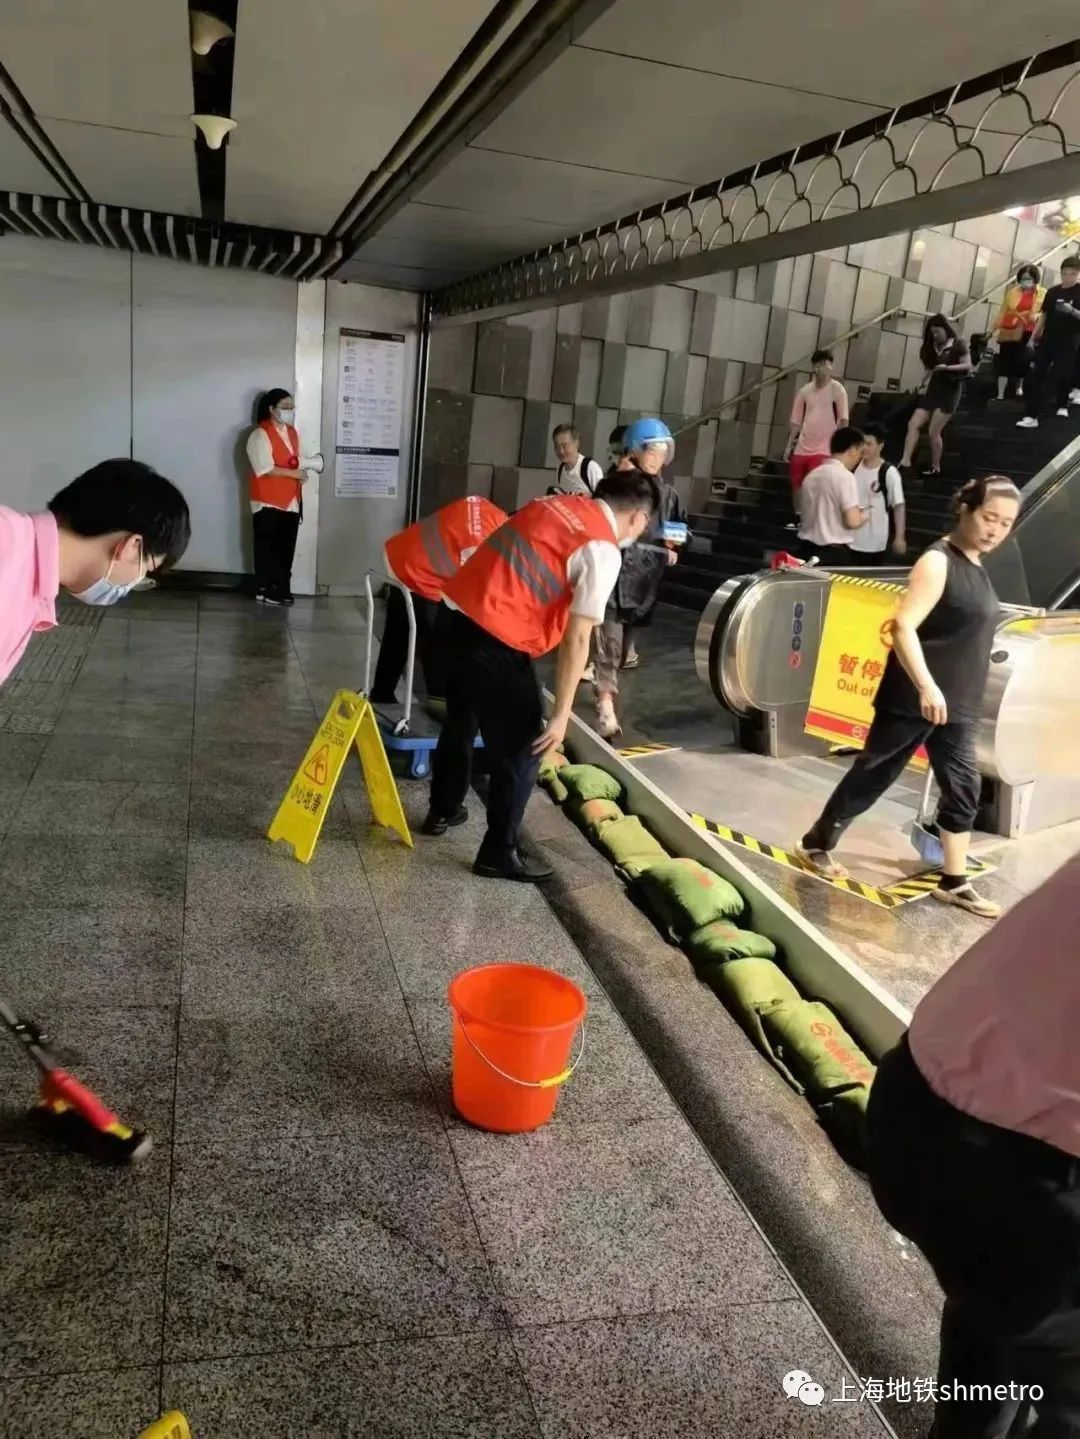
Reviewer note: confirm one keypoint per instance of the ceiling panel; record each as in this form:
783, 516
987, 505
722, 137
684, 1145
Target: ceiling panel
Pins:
126, 167
394, 277
567, 198
321, 94
886, 54
126, 63
20, 169
692, 127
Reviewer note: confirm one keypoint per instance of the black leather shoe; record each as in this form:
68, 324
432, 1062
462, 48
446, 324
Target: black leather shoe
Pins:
519, 866
435, 824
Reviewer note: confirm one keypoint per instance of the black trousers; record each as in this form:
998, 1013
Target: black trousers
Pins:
892, 741
275, 534
997, 1214
828, 556
432, 621
494, 689
1053, 364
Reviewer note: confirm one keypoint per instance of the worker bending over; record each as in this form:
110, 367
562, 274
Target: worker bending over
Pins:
422, 558
542, 580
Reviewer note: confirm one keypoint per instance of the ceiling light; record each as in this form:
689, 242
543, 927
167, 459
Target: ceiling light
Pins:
206, 31
214, 128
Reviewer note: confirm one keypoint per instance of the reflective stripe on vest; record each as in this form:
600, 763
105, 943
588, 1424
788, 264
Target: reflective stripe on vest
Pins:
516, 586
439, 556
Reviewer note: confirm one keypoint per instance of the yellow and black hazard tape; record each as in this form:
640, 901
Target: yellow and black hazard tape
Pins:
889, 897
859, 583
635, 751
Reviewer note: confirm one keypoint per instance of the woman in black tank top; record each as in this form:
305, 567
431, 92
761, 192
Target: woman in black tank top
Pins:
931, 691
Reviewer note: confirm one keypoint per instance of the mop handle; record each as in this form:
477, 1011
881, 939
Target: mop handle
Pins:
924, 801
28, 1035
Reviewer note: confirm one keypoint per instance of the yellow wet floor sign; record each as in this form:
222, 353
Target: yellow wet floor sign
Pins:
349, 721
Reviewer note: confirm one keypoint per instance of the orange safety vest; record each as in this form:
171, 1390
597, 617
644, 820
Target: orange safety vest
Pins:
515, 586
276, 490
424, 556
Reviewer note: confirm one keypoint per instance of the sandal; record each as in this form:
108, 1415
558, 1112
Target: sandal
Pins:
966, 896
821, 863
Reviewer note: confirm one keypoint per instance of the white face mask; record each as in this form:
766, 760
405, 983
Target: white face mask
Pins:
105, 591
286, 417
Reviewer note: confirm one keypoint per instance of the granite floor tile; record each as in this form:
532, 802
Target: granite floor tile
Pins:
261, 875
127, 1056
244, 722
599, 1220
455, 1388
11, 794
217, 761
670, 1376
20, 754
116, 1404
102, 807
109, 692
336, 1066
157, 758
613, 1077
169, 720
82, 1253
119, 956
250, 961
458, 920
128, 872
313, 1242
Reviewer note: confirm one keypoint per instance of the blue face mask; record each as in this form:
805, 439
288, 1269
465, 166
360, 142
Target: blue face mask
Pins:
105, 591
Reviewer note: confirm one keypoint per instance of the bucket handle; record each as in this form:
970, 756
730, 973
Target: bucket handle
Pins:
527, 1083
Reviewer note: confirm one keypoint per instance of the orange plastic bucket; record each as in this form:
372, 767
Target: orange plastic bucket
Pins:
514, 1026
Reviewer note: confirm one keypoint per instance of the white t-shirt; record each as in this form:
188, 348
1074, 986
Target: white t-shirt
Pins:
570, 477
874, 535
826, 493
261, 459
592, 573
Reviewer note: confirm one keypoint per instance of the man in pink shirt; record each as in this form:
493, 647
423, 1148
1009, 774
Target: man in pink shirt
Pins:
973, 1135
98, 538
820, 408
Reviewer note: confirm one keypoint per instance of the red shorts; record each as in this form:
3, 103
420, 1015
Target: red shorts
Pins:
799, 466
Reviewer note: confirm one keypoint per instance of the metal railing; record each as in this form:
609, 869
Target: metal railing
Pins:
897, 310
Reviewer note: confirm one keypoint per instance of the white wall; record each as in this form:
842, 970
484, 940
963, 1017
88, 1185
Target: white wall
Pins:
205, 345
352, 532
65, 364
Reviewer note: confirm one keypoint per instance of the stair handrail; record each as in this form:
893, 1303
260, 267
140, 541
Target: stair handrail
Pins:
901, 310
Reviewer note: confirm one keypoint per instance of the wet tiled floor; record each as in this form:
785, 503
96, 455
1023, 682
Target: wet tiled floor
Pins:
318, 1246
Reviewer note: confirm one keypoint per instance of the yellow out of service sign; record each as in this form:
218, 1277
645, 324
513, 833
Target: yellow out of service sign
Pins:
855, 644
349, 721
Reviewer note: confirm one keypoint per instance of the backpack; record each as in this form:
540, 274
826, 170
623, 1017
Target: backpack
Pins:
558, 489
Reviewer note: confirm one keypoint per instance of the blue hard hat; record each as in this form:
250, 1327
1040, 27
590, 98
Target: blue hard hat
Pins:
646, 432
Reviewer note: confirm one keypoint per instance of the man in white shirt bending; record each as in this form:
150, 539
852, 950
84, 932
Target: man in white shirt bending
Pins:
831, 512
820, 407
577, 474
881, 496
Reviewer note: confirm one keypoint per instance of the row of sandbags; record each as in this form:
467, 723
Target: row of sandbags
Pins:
700, 910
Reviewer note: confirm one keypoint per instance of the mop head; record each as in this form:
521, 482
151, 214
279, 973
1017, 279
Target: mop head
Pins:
79, 1120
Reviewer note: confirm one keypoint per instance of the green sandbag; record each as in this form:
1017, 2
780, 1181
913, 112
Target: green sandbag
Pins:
810, 1041
594, 814
843, 1117
682, 896
750, 988
721, 941
635, 865
588, 781
627, 842
554, 786
550, 761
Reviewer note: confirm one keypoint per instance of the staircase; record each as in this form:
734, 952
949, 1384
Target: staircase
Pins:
747, 521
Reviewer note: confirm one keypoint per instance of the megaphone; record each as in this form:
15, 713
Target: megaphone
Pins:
214, 128
206, 31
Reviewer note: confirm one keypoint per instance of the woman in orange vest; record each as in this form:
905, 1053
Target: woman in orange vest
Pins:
278, 475
422, 558
539, 582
